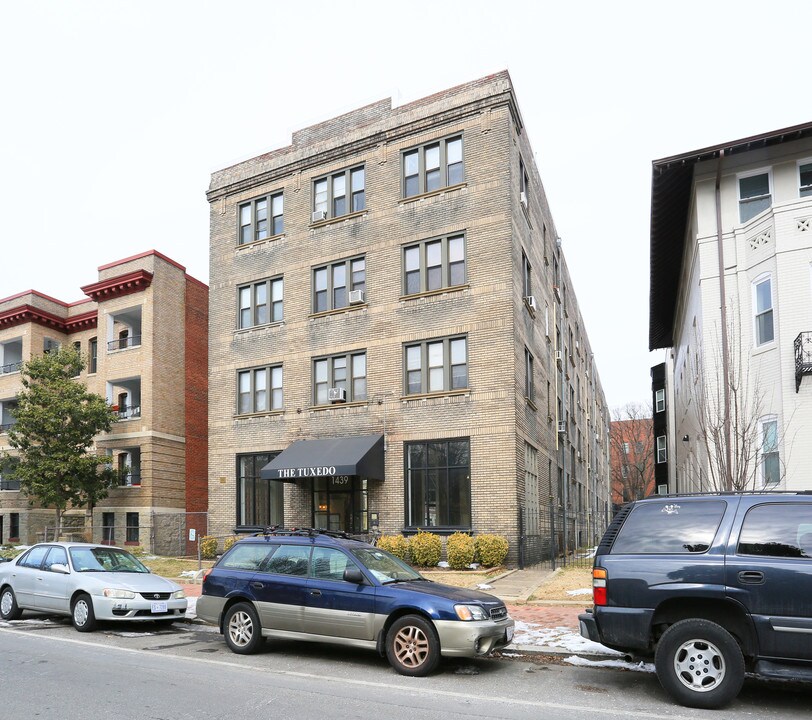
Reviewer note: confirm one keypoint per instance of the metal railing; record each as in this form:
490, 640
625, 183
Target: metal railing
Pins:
132, 479
9, 484
10, 368
803, 357
128, 412
124, 342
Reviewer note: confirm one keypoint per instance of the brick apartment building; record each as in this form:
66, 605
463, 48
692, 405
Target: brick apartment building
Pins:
394, 339
143, 331
632, 459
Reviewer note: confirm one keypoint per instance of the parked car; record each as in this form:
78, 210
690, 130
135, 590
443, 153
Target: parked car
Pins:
712, 586
89, 583
327, 587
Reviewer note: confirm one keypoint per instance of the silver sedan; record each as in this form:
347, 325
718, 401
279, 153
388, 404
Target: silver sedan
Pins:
89, 583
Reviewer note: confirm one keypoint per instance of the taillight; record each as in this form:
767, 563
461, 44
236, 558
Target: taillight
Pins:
599, 586
206, 573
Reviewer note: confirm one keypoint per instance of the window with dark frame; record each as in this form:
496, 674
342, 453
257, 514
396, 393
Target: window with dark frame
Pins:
439, 365
346, 372
527, 276
524, 183
529, 387
93, 355
132, 527
260, 303
333, 283
259, 502
14, 526
432, 167
434, 264
339, 194
438, 483
259, 390
261, 218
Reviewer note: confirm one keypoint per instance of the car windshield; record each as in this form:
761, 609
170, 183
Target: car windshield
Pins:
385, 567
102, 559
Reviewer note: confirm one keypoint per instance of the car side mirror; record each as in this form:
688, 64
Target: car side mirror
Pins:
353, 575
60, 568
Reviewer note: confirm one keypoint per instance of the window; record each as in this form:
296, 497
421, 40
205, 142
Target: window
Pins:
754, 195
339, 194
661, 451
262, 218
777, 530
667, 527
764, 311
259, 390
344, 372
49, 345
329, 564
436, 366
34, 557
333, 283
438, 483
259, 502
659, 401
527, 276
431, 167
524, 183
289, 560
108, 528
529, 390
805, 178
56, 555
93, 355
249, 557
132, 528
770, 461
14, 526
260, 303
434, 264
531, 490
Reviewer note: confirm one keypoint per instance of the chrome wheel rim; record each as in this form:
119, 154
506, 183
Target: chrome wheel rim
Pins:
411, 646
699, 665
80, 612
241, 628
6, 603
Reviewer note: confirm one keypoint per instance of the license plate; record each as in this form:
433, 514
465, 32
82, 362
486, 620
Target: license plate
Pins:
509, 634
158, 607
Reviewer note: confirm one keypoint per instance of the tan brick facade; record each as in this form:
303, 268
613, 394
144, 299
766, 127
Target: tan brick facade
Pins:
143, 313
487, 309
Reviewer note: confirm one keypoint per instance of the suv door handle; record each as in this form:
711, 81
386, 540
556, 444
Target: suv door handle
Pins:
751, 577
257, 585
315, 593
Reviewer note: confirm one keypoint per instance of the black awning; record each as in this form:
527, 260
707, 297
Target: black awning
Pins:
362, 456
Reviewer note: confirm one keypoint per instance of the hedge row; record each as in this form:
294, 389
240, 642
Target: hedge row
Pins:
425, 549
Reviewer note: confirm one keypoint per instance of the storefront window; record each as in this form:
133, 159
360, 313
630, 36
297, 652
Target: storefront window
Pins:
259, 502
438, 483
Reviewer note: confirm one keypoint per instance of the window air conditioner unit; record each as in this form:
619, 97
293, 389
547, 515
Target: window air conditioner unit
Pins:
523, 198
559, 357
562, 427
531, 302
356, 297
318, 215
337, 395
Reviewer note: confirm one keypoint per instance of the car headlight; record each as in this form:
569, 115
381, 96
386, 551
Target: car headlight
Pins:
178, 595
118, 594
470, 612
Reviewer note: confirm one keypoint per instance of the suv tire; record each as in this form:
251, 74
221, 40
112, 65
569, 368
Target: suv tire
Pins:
242, 629
412, 647
699, 664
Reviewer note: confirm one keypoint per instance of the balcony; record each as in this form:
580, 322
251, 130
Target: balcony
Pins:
128, 412
9, 484
9, 368
130, 479
803, 357
124, 342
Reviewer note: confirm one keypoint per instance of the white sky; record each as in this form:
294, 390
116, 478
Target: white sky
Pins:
113, 115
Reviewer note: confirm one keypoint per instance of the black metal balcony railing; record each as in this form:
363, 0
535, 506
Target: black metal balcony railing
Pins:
132, 479
128, 412
124, 343
5, 427
9, 484
10, 368
803, 357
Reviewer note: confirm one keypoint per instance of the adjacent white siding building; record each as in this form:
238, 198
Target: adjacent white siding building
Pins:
755, 195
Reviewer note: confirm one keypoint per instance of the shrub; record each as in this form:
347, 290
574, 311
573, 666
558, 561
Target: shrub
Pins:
395, 544
459, 550
208, 547
490, 550
426, 548
228, 542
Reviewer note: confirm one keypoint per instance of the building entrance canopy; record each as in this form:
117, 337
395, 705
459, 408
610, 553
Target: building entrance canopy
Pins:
329, 457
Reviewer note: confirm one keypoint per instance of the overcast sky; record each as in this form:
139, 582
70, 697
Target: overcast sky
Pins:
114, 114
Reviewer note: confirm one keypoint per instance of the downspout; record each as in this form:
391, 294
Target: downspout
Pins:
723, 315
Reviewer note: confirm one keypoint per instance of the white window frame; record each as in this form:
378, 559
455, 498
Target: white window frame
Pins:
662, 452
765, 277
752, 173
659, 400
761, 469
804, 161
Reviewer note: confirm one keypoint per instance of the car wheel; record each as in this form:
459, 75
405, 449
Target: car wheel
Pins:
84, 619
8, 605
412, 647
699, 664
242, 630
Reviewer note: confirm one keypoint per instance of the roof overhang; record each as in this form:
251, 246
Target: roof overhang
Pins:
328, 457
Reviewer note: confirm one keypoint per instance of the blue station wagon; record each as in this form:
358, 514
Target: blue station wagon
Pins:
327, 587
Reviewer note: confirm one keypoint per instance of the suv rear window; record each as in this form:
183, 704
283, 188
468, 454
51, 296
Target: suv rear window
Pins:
777, 530
670, 527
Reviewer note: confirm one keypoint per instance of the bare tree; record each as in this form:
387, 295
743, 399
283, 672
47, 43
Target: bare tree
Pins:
631, 439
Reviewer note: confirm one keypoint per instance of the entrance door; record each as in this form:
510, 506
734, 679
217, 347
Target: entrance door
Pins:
339, 503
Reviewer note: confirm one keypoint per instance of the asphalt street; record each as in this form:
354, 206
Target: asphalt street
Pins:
51, 672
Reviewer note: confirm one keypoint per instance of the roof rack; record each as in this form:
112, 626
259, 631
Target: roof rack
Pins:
300, 532
717, 493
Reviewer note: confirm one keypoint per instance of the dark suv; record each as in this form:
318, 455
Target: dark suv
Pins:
712, 586
327, 587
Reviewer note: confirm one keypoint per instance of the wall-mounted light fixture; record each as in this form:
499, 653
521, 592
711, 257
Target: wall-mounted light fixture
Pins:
685, 438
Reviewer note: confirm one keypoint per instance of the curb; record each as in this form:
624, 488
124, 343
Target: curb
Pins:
560, 652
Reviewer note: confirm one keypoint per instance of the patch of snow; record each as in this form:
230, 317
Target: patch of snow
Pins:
442, 564
484, 586
149, 557
559, 637
191, 607
580, 591
127, 634
193, 573
636, 667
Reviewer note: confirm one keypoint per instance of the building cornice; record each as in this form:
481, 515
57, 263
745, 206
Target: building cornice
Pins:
119, 286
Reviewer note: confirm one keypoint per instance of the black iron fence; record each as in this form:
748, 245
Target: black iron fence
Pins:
560, 537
